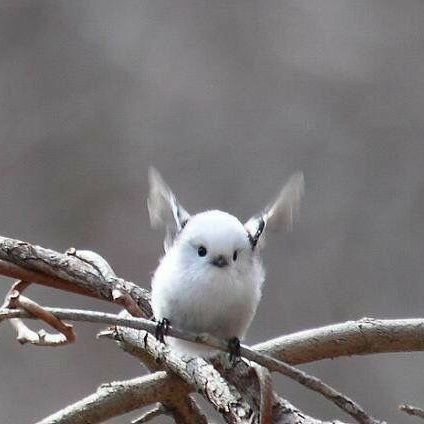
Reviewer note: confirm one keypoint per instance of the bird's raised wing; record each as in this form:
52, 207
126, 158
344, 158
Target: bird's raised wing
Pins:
164, 209
280, 213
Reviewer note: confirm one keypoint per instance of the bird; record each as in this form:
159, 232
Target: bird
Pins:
211, 276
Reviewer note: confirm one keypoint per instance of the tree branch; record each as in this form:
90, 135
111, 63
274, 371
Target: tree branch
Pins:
412, 410
203, 378
332, 341
195, 372
156, 353
363, 337
67, 272
15, 300
342, 401
79, 274
346, 404
116, 398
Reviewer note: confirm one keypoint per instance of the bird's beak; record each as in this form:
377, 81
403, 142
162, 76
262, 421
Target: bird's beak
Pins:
220, 261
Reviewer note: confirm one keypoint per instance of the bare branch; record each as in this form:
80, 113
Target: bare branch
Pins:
412, 410
114, 399
196, 372
139, 323
342, 401
346, 404
312, 383
266, 393
119, 293
362, 337
73, 273
135, 345
67, 272
203, 378
377, 336
183, 408
41, 338
282, 410
85, 316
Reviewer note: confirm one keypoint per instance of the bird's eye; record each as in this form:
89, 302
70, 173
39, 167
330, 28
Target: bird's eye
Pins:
201, 251
235, 255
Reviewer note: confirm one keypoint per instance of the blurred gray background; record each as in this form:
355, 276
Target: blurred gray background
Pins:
226, 99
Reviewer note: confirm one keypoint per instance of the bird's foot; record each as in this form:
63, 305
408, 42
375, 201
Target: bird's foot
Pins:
234, 349
162, 329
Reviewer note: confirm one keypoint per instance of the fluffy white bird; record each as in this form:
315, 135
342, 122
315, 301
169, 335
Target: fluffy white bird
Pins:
210, 278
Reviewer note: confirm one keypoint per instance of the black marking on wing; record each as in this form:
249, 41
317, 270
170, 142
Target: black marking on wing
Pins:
254, 239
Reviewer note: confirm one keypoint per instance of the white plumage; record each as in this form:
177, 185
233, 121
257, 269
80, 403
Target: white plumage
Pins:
211, 277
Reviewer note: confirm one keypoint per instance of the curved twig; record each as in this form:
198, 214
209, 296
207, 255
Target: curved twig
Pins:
42, 337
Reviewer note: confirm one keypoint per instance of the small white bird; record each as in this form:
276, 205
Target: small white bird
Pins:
210, 279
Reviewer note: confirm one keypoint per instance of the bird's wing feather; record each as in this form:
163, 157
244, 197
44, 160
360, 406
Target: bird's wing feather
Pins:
164, 209
280, 213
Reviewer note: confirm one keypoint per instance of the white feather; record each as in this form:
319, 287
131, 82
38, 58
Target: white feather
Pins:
281, 213
164, 209
196, 295
217, 289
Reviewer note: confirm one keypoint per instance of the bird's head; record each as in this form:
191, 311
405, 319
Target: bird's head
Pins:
216, 239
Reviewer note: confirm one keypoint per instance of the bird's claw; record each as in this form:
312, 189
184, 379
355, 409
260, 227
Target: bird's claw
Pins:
234, 349
162, 329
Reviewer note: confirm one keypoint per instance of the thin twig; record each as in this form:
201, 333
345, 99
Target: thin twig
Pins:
14, 299
42, 337
412, 410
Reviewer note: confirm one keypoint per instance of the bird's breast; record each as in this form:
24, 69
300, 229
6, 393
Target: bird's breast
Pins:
217, 301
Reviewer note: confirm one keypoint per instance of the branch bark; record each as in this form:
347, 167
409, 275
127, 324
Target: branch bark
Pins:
28, 262
116, 398
362, 337
412, 410
236, 406
198, 374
